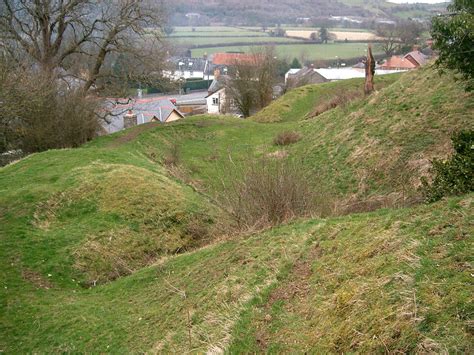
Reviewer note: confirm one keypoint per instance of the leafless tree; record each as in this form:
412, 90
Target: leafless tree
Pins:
391, 40
400, 36
90, 41
251, 85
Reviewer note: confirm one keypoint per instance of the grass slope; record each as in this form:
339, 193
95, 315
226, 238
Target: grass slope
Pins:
387, 282
359, 293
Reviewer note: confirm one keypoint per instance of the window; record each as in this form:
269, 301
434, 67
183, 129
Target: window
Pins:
215, 101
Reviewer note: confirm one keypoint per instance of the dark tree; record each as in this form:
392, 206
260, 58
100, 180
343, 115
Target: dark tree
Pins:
295, 64
453, 36
324, 35
369, 72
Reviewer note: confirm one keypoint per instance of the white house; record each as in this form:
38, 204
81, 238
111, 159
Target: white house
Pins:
216, 102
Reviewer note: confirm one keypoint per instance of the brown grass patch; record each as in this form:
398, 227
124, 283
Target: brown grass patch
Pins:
36, 279
287, 138
340, 99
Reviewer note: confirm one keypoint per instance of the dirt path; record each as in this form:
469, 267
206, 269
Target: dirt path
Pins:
296, 286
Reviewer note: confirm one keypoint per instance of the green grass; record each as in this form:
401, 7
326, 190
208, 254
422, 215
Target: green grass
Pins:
394, 281
309, 51
111, 213
208, 40
215, 30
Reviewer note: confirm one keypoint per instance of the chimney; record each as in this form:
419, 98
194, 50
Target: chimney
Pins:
129, 119
217, 73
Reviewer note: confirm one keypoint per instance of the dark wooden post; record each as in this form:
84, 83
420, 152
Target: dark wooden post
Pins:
369, 72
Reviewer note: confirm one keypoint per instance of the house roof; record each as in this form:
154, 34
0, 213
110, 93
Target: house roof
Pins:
232, 58
398, 63
340, 73
417, 57
218, 83
145, 109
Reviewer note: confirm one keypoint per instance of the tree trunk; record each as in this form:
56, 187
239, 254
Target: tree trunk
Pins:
369, 72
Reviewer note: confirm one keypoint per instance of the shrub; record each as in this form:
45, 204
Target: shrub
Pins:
40, 113
454, 176
172, 156
287, 138
265, 192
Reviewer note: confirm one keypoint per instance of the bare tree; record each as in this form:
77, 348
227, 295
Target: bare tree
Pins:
399, 36
391, 40
252, 83
37, 113
84, 40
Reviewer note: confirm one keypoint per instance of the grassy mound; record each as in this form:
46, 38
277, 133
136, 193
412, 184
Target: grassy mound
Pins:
97, 215
299, 103
366, 154
117, 215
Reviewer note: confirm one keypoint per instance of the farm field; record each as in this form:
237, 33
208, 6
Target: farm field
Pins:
212, 31
309, 51
208, 40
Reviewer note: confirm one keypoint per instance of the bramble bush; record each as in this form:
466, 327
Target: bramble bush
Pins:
456, 175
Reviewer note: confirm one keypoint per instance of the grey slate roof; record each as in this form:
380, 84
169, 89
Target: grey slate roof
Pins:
145, 109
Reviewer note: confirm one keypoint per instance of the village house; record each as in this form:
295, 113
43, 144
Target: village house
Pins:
299, 77
218, 100
409, 61
140, 111
189, 69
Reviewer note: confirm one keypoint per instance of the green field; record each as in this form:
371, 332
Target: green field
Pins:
309, 51
226, 40
108, 249
215, 31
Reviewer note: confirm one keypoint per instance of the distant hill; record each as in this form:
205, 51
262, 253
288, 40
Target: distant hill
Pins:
270, 12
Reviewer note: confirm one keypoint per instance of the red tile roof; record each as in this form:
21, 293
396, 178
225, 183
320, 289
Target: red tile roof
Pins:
396, 62
232, 58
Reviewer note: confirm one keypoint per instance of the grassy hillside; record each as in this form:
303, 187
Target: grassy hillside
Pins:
368, 153
122, 245
395, 280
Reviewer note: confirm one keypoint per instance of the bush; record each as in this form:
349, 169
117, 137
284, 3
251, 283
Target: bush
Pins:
287, 138
266, 192
454, 176
40, 113
173, 155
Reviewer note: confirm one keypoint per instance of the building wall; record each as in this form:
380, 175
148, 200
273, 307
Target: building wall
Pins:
173, 117
216, 108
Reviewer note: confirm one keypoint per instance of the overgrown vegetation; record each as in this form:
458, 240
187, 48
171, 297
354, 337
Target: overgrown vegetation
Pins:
267, 191
37, 113
455, 175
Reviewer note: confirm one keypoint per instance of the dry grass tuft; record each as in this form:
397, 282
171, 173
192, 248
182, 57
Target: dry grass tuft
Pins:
340, 99
287, 138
